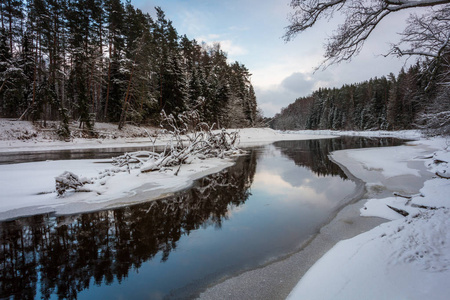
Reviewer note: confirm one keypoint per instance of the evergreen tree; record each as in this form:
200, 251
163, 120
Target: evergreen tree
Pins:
106, 60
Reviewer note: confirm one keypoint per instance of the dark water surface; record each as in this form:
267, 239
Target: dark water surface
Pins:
31, 156
261, 209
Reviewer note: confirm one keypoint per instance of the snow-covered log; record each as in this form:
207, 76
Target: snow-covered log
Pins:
69, 180
443, 175
189, 139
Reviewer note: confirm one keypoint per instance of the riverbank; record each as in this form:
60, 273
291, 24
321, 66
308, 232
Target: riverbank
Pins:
29, 188
23, 136
406, 258
363, 264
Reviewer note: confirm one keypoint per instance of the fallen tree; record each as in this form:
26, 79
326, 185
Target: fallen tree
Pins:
189, 139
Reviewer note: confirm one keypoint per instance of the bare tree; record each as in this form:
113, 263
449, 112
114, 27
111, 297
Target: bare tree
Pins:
428, 36
361, 17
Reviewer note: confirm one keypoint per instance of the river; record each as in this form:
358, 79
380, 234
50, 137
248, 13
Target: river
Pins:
265, 207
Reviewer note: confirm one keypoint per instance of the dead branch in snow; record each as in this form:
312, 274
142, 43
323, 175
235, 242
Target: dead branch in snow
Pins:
443, 175
399, 211
189, 139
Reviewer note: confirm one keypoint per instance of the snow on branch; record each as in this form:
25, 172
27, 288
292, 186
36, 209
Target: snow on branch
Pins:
69, 180
189, 139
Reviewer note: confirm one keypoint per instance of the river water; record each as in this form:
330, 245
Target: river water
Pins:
261, 209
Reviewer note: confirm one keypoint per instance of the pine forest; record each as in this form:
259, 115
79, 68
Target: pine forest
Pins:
105, 60
414, 99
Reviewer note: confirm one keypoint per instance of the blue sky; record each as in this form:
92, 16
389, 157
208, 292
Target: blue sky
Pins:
251, 31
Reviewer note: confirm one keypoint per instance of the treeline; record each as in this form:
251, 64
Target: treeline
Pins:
412, 99
104, 60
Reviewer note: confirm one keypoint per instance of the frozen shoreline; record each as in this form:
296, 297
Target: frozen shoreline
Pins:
405, 170
406, 258
30, 187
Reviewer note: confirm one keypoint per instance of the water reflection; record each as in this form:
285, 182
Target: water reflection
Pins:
261, 208
65, 255
313, 154
32, 156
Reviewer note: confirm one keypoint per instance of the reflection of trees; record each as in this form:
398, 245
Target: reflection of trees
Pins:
313, 154
63, 255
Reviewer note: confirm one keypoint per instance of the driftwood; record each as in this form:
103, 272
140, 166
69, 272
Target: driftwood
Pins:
189, 139
442, 175
424, 206
403, 196
69, 180
400, 211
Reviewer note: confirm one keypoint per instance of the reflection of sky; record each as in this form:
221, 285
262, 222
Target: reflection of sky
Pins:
280, 178
288, 204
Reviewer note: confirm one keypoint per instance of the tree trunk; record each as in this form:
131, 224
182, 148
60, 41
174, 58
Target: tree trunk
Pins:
127, 98
10, 31
109, 82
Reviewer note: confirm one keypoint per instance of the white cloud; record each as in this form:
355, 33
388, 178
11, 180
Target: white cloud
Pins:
233, 50
274, 184
298, 82
271, 98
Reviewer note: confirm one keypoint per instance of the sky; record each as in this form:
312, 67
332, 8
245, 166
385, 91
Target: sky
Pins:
251, 32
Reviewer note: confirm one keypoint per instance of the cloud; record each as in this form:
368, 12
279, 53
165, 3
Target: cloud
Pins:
274, 97
272, 100
298, 82
276, 185
230, 47
192, 21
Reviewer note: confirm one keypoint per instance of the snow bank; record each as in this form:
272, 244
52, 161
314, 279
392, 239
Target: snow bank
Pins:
403, 259
408, 258
24, 136
263, 136
29, 188
401, 134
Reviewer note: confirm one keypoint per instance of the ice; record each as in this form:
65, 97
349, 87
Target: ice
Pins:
407, 258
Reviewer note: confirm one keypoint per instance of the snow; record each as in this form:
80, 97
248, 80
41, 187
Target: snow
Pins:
405, 258
29, 188
23, 136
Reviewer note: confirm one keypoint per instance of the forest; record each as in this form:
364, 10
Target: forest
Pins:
417, 97
107, 61
412, 99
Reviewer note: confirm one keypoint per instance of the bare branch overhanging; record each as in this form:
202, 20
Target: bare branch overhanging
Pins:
361, 18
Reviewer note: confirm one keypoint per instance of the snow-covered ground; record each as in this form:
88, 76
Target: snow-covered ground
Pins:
406, 258
29, 188
24, 136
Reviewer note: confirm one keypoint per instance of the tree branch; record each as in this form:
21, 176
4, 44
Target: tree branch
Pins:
361, 19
